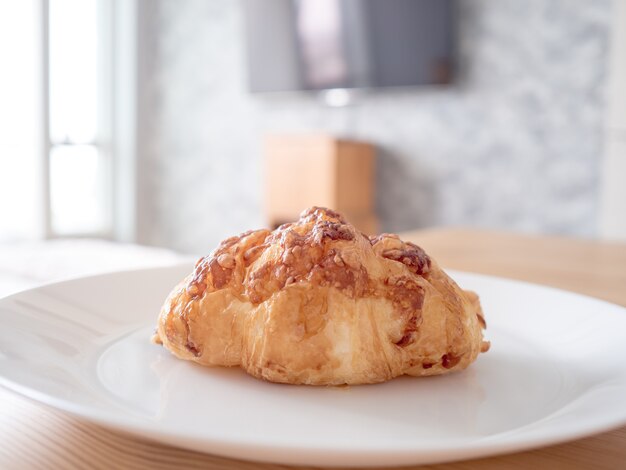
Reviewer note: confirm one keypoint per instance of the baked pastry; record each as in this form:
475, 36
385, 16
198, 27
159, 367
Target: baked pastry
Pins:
317, 302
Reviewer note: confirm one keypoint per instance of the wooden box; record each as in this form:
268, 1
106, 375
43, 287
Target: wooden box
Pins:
319, 170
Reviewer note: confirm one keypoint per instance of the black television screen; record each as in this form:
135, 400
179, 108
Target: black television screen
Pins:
326, 44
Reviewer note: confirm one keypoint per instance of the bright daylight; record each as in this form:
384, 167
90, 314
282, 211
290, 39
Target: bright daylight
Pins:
297, 234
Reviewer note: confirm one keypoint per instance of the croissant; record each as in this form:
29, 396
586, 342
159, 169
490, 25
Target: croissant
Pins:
318, 302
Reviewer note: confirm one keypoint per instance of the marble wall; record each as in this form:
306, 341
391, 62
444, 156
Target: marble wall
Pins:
514, 143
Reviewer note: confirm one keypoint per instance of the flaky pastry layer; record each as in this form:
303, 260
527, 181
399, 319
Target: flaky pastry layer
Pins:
318, 302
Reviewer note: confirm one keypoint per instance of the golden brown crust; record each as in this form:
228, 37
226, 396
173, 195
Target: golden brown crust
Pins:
318, 302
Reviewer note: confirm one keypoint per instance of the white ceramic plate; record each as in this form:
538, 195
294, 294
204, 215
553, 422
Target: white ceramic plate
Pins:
556, 371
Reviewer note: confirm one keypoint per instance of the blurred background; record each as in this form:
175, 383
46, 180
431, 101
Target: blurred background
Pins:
176, 124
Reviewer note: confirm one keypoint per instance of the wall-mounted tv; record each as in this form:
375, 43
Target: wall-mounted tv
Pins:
326, 44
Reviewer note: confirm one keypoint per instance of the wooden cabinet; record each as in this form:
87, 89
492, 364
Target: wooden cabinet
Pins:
319, 170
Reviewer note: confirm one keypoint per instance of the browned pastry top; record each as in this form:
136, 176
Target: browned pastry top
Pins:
306, 255
316, 301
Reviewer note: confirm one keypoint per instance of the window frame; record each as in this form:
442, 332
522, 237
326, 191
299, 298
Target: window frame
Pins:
115, 137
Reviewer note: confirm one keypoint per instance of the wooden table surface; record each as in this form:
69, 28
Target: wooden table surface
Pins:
35, 436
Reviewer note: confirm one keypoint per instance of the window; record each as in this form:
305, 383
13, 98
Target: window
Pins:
78, 91
56, 143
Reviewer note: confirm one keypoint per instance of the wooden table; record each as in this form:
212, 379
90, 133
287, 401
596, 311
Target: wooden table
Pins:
35, 436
